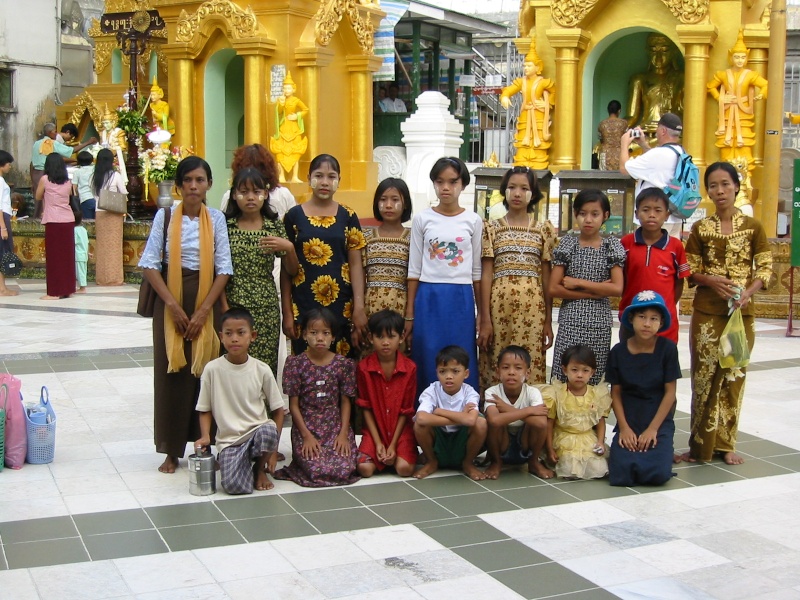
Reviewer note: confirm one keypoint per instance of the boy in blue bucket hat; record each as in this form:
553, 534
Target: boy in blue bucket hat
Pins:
643, 372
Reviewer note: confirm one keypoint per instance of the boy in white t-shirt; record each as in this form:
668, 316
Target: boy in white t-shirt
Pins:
517, 416
236, 390
6, 238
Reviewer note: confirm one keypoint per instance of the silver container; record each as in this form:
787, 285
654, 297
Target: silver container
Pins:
202, 474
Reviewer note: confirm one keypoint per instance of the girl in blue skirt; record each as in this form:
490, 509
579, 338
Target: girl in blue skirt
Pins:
444, 273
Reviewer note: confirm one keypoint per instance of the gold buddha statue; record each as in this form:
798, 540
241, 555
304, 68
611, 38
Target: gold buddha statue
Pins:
659, 90
735, 91
289, 144
160, 109
532, 139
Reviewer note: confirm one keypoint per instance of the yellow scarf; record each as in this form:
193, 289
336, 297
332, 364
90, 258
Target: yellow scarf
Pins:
206, 346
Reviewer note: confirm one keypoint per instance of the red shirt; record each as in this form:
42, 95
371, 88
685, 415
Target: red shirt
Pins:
387, 399
656, 268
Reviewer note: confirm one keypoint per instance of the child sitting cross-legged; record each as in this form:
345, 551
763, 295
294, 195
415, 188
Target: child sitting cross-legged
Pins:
517, 416
448, 425
387, 386
236, 391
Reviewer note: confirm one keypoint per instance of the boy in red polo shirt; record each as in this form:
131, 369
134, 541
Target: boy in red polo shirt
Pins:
387, 386
655, 261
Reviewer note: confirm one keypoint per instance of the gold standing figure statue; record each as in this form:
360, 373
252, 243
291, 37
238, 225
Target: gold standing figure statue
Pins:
735, 91
533, 139
289, 144
160, 109
658, 90
114, 138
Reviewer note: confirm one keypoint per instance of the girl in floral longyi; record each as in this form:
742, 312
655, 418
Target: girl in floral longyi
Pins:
328, 240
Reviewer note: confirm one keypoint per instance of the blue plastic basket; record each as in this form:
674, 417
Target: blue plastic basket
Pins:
42, 436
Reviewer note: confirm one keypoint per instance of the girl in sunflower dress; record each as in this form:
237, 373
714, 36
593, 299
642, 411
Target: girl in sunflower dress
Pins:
386, 252
328, 240
257, 237
516, 252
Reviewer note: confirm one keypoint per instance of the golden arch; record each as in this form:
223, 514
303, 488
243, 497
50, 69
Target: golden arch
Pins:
573, 13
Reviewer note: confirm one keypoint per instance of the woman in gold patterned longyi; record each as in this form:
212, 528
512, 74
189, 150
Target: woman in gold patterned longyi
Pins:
730, 261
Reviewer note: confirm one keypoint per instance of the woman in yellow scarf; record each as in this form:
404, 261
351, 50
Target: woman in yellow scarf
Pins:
184, 332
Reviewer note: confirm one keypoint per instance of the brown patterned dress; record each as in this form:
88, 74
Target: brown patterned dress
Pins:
742, 256
611, 130
386, 267
517, 302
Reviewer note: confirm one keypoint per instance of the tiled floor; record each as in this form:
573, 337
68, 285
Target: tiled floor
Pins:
101, 522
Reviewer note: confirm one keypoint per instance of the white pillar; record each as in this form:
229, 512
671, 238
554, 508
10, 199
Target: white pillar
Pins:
429, 134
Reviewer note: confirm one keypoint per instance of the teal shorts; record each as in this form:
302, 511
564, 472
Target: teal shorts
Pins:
450, 447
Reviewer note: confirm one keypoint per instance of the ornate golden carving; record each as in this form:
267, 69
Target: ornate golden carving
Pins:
94, 29
243, 22
84, 103
102, 55
569, 13
329, 16
688, 11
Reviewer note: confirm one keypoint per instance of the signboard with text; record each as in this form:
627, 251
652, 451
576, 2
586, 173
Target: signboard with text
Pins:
795, 229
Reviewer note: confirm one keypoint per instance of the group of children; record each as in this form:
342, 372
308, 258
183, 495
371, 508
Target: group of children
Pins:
431, 400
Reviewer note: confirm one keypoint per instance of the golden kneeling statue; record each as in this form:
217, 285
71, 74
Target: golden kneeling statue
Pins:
532, 139
289, 144
659, 90
160, 109
735, 90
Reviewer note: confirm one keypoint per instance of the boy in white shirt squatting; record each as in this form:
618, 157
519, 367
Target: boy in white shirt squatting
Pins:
236, 390
448, 425
517, 416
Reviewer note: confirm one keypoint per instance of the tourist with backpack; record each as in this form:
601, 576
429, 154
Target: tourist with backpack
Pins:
667, 167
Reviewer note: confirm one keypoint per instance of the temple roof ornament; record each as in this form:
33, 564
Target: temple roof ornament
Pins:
329, 16
570, 13
243, 22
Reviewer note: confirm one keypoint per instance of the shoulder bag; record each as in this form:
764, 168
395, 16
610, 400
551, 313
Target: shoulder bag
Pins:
115, 202
147, 294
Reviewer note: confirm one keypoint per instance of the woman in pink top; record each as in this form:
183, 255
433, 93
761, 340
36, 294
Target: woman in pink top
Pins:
54, 190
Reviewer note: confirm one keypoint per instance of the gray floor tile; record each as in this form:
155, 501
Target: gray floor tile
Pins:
705, 475
33, 530
754, 468
504, 554
476, 504
414, 511
464, 534
45, 553
630, 534
451, 485
331, 521
274, 528
125, 544
205, 535
184, 514
595, 489
763, 448
254, 507
512, 478
385, 493
537, 496
540, 581
789, 461
112, 522
321, 500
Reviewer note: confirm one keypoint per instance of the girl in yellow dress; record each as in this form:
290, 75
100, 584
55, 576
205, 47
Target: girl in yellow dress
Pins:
576, 423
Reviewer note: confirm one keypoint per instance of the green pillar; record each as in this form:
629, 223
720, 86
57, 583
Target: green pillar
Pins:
451, 84
466, 148
436, 67
415, 67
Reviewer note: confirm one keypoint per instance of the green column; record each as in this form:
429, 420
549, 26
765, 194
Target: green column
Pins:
436, 67
415, 67
467, 146
451, 83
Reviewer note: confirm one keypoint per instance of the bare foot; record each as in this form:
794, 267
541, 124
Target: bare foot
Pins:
731, 458
430, 467
677, 458
493, 472
535, 467
263, 481
472, 471
169, 465
281, 456
46, 297
8, 292
81, 291
686, 457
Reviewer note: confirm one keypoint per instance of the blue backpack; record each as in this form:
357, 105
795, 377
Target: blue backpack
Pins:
683, 190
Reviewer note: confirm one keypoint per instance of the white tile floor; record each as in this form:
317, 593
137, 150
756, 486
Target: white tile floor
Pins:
729, 540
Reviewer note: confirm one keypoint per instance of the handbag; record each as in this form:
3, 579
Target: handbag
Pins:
10, 264
115, 202
16, 432
147, 294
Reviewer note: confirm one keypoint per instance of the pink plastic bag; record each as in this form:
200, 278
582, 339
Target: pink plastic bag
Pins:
16, 430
